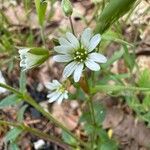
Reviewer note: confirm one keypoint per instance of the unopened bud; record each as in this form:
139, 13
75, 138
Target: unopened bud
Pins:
32, 57
67, 7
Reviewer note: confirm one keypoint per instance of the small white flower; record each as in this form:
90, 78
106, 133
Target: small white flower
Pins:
31, 57
58, 92
27, 59
2, 80
79, 53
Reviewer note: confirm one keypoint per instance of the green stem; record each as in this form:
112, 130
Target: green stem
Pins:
32, 102
91, 108
43, 36
71, 24
36, 132
108, 88
92, 113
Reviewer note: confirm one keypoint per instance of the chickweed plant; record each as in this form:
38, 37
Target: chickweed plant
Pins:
87, 68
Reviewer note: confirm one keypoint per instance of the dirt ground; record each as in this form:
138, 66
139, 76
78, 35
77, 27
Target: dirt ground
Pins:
129, 132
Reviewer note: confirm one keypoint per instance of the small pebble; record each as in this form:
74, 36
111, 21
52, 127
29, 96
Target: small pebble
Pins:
39, 144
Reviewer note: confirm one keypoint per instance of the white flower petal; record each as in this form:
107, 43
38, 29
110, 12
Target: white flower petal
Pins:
2, 80
51, 94
63, 49
92, 65
64, 42
23, 50
69, 69
32, 60
54, 97
73, 40
65, 95
94, 42
85, 37
78, 72
98, 57
50, 86
61, 97
62, 58
57, 83
22, 63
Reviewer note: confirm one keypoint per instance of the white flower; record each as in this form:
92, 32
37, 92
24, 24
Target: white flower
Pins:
58, 92
2, 80
32, 57
79, 53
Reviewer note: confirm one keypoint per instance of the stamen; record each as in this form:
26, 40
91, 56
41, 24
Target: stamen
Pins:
80, 55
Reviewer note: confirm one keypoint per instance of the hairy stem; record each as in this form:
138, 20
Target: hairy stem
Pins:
33, 103
36, 132
71, 24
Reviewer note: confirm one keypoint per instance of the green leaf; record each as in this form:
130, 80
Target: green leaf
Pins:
112, 12
20, 114
100, 113
112, 36
38, 51
41, 6
22, 81
13, 146
12, 134
9, 100
68, 139
116, 56
109, 145
129, 58
105, 143
113, 88
144, 79
146, 103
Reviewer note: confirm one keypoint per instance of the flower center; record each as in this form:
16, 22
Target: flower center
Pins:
61, 89
80, 55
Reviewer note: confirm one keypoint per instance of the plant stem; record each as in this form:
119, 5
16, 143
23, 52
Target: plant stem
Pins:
91, 108
71, 24
33, 103
43, 36
36, 132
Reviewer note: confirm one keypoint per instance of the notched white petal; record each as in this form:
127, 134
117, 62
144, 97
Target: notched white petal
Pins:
51, 86
78, 72
73, 40
92, 65
54, 97
94, 42
63, 49
60, 99
23, 50
62, 58
64, 42
69, 69
56, 83
85, 37
98, 57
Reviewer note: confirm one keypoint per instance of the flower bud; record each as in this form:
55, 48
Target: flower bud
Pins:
67, 7
32, 57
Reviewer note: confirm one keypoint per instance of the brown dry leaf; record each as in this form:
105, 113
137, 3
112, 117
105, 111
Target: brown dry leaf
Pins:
113, 117
16, 15
67, 119
128, 129
143, 62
